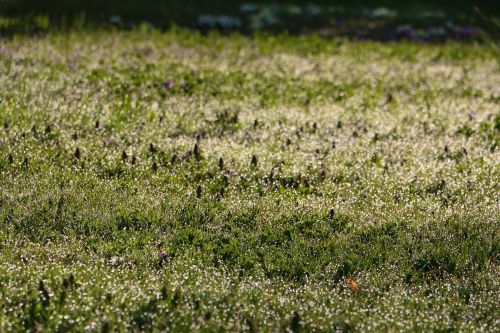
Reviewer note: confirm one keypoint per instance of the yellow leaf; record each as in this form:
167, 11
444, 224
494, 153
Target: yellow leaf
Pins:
353, 284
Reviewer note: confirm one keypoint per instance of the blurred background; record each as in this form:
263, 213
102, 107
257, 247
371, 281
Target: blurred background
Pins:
426, 20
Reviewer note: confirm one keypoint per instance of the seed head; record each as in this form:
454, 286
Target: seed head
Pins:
77, 153
197, 152
253, 162
221, 164
295, 325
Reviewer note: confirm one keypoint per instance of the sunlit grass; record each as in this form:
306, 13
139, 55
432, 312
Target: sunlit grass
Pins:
252, 192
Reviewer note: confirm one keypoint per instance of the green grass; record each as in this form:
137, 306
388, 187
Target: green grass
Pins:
275, 174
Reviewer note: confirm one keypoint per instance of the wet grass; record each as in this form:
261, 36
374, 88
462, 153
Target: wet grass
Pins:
173, 181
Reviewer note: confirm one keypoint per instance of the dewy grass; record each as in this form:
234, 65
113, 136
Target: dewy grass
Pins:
175, 182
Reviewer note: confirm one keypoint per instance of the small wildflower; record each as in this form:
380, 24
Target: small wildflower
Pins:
169, 84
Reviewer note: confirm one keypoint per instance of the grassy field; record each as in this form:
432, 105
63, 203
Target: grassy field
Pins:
170, 181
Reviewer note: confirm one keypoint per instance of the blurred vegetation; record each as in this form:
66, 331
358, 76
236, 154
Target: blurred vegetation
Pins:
436, 20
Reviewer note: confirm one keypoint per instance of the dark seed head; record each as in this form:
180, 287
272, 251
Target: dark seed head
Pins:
97, 123
253, 162
11, 159
173, 159
72, 279
25, 162
48, 129
331, 213
198, 191
252, 325
255, 123
45, 296
221, 164
152, 148
6, 125
154, 166
197, 152
77, 153
65, 283
390, 98
295, 325
124, 155
74, 136
105, 327
134, 160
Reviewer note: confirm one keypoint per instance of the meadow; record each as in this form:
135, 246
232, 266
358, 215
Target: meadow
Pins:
173, 181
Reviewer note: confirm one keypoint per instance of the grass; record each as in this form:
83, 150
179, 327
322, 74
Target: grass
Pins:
281, 183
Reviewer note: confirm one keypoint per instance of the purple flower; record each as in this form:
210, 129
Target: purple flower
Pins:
361, 37
163, 255
169, 84
464, 32
405, 32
